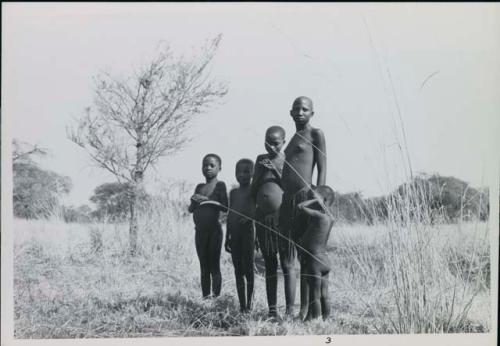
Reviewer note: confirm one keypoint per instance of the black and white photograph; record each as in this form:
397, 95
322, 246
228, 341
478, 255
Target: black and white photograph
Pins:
250, 172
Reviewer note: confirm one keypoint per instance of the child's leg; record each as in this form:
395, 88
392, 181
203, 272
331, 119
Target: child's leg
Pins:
287, 258
314, 280
236, 255
268, 242
271, 263
299, 227
248, 260
201, 241
215, 246
325, 300
287, 252
304, 290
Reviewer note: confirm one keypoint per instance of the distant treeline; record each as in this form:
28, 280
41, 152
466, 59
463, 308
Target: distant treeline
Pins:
433, 198
437, 198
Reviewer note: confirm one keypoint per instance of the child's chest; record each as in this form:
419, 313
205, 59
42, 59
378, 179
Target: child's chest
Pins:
208, 190
298, 145
241, 196
241, 200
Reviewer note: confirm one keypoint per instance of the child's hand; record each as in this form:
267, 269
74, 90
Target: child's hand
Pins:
267, 163
227, 245
244, 221
199, 198
269, 221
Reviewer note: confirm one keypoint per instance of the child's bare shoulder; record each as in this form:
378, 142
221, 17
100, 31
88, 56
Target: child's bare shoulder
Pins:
261, 157
235, 192
317, 133
239, 194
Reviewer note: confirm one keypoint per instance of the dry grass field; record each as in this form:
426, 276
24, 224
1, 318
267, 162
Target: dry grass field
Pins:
78, 280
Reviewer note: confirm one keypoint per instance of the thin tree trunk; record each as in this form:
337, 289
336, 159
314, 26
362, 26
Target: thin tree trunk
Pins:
133, 224
134, 208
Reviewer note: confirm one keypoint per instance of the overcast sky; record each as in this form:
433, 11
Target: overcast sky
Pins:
438, 64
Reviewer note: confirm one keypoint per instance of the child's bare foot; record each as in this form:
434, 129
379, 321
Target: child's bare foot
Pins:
288, 315
300, 317
273, 316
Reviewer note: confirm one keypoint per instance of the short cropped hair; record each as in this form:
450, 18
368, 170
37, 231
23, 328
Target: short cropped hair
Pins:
326, 192
300, 98
276, 129
244, 162
215, 156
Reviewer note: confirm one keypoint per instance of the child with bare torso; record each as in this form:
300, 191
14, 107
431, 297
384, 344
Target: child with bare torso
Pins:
267, 193
315, 261
240, 234
208, 236
306, 150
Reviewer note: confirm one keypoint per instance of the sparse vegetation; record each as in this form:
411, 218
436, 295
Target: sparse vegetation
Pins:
78, 280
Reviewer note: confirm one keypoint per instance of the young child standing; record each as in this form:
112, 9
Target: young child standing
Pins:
313, 247
267, 193
306, 150
240, 234
208, 236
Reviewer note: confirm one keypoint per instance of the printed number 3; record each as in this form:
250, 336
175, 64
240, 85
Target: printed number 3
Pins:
328, 340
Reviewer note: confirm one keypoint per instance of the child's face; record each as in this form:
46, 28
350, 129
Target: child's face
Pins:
302, 111
244, 173
210, 167
274, 143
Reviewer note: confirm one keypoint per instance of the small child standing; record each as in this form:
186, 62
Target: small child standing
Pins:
315, 261
208, 236
240, 234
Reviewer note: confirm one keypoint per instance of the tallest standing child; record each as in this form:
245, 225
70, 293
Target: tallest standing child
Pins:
306, 150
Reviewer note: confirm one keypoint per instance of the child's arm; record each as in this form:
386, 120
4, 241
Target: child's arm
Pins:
305, 207
257, 173
223, 197
257, 245
227, 242
194, 199
319, 151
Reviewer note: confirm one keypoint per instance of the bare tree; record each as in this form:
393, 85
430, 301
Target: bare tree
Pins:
139, 119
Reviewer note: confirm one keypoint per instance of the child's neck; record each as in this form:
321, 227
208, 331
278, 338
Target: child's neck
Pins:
300, 127
211, 180
244, 185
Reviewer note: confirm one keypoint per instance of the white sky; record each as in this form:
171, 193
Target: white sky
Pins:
340, 55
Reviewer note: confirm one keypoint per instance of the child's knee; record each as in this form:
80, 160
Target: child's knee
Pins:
271, 263
238, 271
205, 270
287, 266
